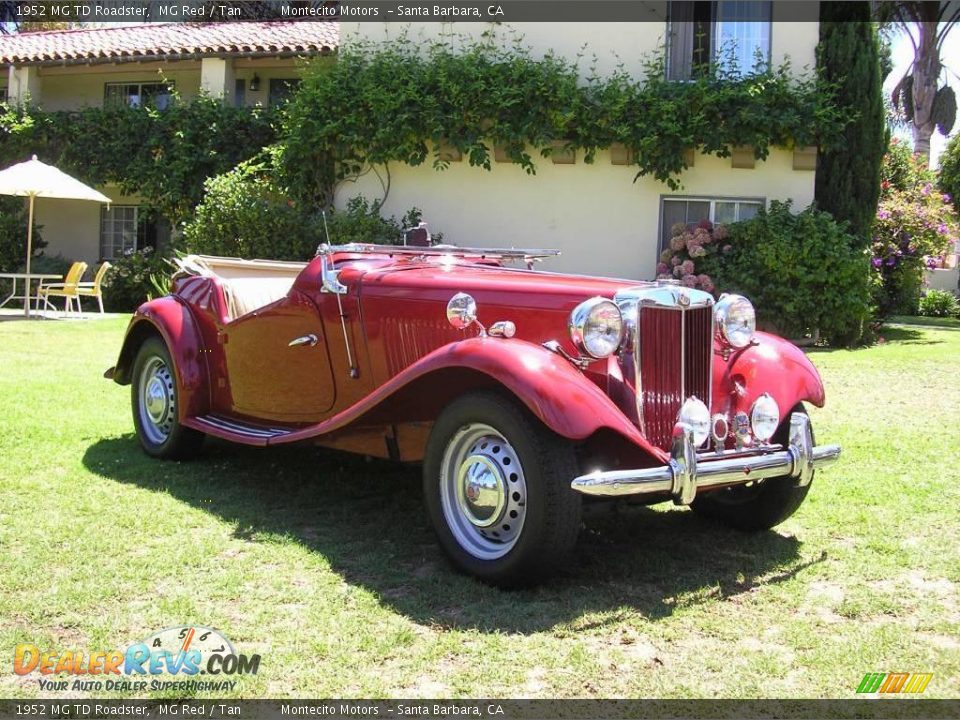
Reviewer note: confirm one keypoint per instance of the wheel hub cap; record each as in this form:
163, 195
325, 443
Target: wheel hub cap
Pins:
157, 399
483, 491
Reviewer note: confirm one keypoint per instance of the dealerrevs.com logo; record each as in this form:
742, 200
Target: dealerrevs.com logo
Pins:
184, 652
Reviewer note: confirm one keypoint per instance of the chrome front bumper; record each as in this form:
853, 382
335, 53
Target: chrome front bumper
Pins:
687, 472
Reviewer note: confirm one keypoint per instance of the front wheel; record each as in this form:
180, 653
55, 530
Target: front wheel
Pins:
497, 488
156, 405
760, 506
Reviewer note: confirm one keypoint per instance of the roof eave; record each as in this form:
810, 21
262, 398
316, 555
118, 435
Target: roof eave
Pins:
165, 57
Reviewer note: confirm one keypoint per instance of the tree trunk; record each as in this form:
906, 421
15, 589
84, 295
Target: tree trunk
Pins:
926, 75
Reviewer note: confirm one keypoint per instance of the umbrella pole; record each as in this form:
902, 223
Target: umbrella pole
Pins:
26, 300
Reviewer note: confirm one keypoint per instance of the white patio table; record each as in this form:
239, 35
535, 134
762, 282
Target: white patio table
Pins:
27, 279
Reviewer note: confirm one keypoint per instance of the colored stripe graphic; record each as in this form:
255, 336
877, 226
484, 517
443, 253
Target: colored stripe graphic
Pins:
893, 683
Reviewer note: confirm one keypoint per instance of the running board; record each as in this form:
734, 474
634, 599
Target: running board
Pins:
236, 430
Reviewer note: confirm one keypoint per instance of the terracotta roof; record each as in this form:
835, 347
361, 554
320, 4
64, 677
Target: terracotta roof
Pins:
169, 41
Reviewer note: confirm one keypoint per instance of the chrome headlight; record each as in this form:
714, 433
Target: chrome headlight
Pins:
596, 327
736, 319
697, 415
764, 417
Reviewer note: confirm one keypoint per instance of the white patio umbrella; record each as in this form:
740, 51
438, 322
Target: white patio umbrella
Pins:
35, 179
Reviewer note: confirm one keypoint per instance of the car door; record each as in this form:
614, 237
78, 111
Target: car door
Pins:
278, 366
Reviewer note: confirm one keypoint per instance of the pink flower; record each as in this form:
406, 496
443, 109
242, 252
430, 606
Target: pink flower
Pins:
926, 189
704, 279
678, 228
687, 267
698, 251
677, 243
947, 198
727, 248
720, 232
689, 281
677, 271
704, 225
663, 269
675, 261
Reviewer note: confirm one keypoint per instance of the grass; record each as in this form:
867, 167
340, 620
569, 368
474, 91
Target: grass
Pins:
325, 565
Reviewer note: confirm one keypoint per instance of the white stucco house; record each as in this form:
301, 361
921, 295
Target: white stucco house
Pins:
601, 220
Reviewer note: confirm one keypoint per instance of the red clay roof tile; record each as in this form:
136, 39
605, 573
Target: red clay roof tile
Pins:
139, 42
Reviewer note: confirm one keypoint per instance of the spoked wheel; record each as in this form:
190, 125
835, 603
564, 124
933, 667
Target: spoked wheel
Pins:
497, 487
155, 405
761, 505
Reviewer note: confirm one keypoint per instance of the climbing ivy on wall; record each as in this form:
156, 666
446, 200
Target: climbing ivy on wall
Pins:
398, 101
162, 155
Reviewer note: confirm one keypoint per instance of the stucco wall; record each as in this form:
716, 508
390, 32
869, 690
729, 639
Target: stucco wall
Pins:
610, 43
72, 227
602, 221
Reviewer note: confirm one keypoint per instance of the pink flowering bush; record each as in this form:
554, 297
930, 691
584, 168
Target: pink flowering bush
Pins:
914, 227
691, 249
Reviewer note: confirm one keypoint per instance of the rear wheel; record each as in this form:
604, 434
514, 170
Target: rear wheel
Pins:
497, 489
156, 405
760, 506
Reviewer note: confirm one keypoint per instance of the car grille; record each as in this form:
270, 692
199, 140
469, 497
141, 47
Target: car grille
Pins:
673, 353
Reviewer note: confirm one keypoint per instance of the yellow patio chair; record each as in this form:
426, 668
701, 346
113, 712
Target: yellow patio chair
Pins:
67, 289
94, 289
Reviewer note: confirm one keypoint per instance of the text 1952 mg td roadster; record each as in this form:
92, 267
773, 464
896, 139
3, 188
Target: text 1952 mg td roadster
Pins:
522, 392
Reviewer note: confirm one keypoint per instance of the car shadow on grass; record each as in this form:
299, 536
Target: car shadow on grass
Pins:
366, 518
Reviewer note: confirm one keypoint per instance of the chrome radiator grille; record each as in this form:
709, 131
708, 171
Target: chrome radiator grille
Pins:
672, 333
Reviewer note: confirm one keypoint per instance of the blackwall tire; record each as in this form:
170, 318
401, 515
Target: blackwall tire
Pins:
497, 489
155, 403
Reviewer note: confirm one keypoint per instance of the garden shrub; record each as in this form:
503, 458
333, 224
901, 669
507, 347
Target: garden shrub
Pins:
914, 226
949, 179
13, 234
803, 272
47, 264
939, 303
130, 280
248, 213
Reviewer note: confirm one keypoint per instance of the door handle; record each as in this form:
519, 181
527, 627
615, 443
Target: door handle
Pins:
310, 340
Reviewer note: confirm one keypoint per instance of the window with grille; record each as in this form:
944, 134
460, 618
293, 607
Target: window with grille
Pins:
690, 211
158, 95
734, 35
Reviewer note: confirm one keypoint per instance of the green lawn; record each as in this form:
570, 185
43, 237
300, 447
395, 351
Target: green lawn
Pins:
325, 565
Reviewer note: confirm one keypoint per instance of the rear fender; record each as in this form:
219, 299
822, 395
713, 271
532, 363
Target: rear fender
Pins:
171, 320
548, 385
775, 366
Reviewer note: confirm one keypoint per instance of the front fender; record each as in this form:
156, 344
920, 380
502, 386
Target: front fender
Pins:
548, 385
171, 319
775, 366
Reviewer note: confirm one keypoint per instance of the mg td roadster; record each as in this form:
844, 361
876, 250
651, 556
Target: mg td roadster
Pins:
523, 393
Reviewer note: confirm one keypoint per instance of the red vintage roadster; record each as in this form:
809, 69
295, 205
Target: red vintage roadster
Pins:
523, 393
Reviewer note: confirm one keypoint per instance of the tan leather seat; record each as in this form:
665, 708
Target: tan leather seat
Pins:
247, 284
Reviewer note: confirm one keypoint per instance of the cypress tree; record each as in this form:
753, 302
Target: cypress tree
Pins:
848, 175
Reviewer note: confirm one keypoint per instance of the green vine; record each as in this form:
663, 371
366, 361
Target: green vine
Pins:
399, 101
162, 155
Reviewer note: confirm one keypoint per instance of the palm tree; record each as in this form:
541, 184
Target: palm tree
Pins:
919, 95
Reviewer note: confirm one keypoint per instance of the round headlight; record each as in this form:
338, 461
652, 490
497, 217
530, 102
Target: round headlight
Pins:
764, 417
697, 415
736, 319
596, 327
